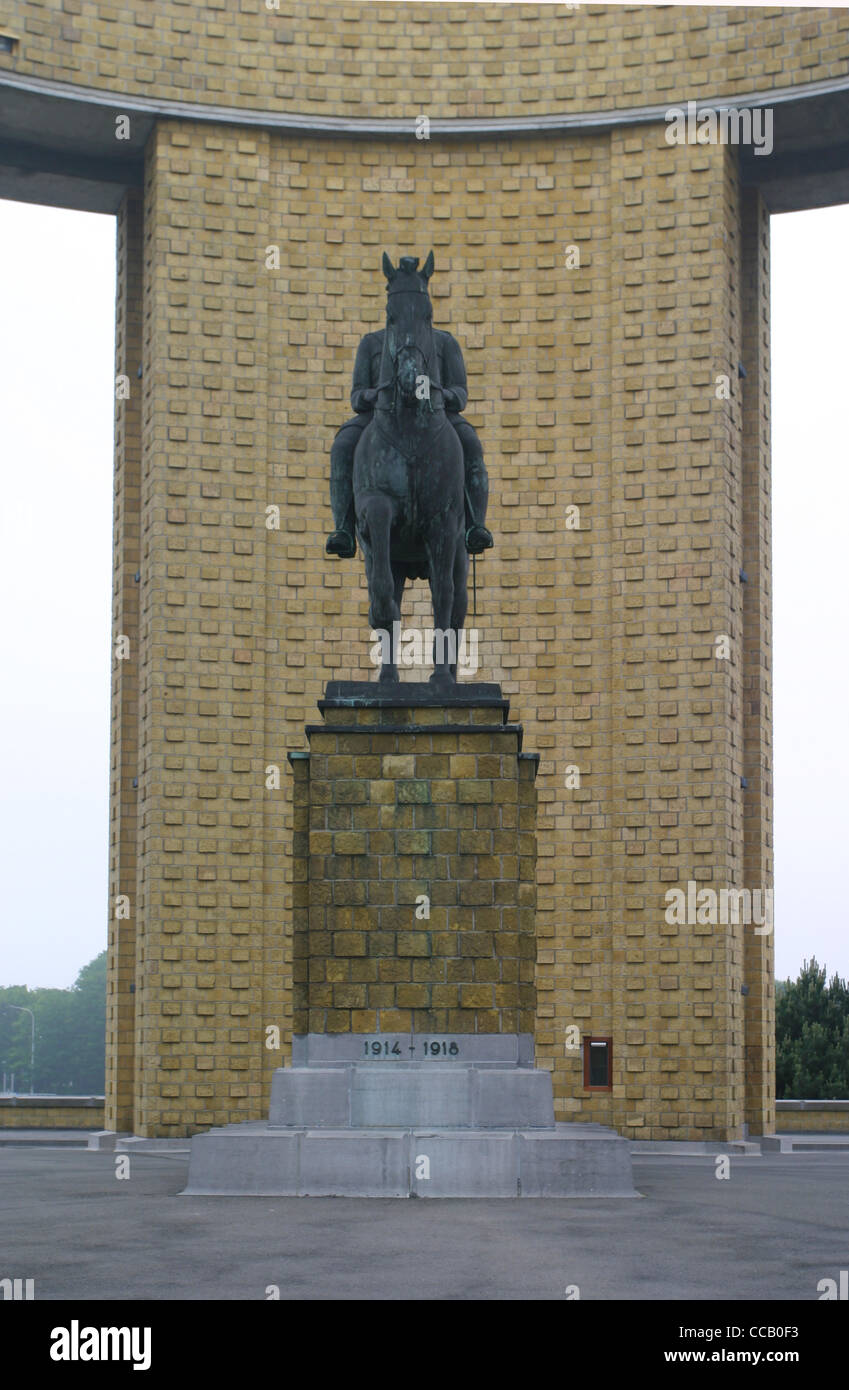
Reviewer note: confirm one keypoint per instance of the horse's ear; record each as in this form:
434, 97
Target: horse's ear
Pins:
388, 268
427, 268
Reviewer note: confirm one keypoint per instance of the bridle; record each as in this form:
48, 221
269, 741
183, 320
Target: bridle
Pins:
407, 347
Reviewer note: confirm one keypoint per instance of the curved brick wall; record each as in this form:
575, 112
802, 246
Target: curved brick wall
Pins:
486, 60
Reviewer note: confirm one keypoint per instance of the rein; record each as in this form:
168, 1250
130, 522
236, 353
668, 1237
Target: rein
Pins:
392, 382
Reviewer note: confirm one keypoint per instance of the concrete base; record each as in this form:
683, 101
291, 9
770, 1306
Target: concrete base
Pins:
259, 1161
398, 1115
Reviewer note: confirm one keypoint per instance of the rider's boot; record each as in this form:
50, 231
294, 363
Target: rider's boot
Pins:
478, 538
341, 543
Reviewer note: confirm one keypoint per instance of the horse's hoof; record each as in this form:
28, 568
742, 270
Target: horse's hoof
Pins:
388, 675
442, 678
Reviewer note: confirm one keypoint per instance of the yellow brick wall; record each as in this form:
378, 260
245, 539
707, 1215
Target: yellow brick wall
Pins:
812, 1119
414, 860
124, 748
397, 60
207, 958
755, 688
51, 1113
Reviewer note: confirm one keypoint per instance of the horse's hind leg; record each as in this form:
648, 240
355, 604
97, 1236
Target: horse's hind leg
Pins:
384, 611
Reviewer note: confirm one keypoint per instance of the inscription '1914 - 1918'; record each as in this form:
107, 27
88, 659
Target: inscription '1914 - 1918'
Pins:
423, 1047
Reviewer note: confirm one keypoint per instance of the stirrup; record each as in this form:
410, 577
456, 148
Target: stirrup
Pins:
478, 538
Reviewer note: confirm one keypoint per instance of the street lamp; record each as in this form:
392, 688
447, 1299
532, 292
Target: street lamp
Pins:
22, 1010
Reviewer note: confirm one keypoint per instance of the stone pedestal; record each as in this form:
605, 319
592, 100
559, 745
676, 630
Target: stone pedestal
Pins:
412, 1069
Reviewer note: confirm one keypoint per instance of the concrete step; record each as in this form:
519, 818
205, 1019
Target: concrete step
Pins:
256, 1160
52, 1138
684, 1148
804, 1143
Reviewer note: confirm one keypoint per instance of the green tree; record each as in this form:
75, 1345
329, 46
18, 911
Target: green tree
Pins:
15, 1035
89, 1002
812, 1036
70, 1034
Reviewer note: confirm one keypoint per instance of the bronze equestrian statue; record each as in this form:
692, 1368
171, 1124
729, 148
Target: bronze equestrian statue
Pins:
407, 473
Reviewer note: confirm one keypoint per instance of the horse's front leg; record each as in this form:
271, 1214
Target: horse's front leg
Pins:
400, 579
440, 560
384, 611
461, 600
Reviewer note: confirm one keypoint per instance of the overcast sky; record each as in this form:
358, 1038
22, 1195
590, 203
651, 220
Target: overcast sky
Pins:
56, 358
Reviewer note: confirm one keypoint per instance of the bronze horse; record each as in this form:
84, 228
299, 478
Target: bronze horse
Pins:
409, 478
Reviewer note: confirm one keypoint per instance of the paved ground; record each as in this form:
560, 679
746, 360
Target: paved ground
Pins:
776, 1227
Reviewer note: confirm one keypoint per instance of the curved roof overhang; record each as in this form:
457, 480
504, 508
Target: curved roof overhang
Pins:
58, 145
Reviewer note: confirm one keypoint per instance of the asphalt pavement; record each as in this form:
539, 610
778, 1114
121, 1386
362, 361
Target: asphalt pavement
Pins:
773, 1229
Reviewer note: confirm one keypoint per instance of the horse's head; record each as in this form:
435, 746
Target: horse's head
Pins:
409, 325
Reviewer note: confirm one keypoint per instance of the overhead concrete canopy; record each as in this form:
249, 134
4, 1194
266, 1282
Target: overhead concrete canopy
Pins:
58, 145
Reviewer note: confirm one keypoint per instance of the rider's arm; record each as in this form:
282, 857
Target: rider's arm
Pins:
455, 375
362, 394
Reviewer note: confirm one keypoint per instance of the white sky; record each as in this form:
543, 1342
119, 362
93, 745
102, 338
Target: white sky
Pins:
56, 365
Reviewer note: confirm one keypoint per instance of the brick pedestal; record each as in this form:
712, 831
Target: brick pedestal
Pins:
415, 858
